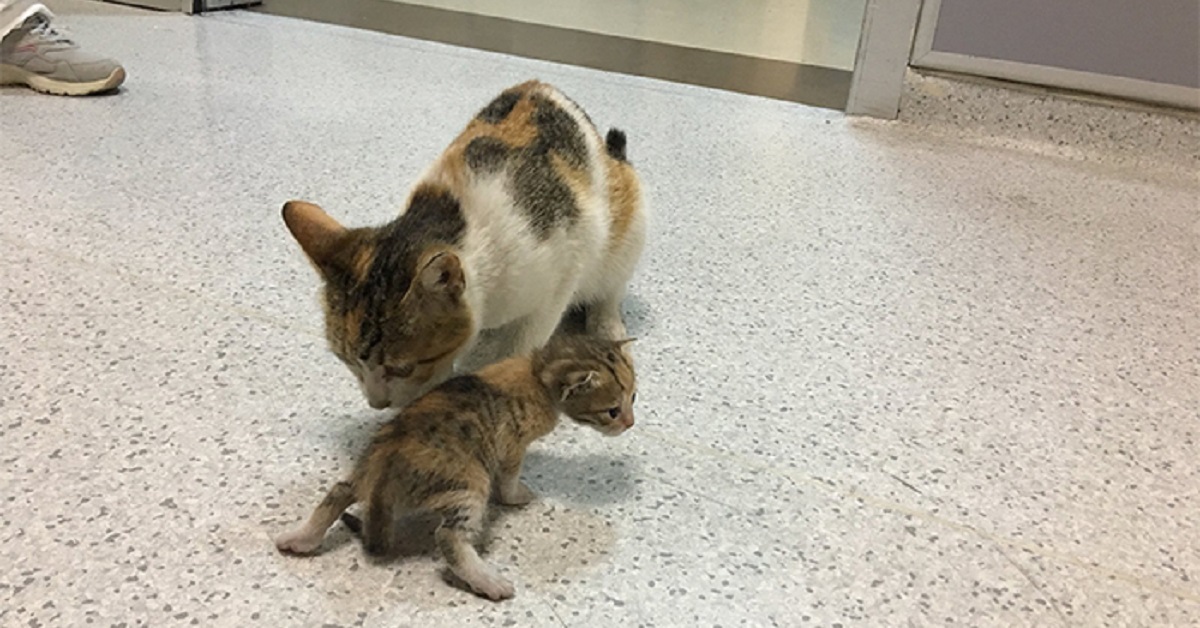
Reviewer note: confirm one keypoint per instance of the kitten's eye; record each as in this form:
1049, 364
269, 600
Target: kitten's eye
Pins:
398, 371
633, 399
614, 412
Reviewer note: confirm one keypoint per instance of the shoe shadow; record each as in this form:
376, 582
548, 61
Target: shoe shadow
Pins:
24, 91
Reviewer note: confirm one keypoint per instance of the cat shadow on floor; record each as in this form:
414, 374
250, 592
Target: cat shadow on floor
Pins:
639, 320
353, 430
581, 481
412, 536
585, 480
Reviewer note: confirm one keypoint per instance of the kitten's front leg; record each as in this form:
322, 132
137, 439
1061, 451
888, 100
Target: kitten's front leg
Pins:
307, 538
513, 491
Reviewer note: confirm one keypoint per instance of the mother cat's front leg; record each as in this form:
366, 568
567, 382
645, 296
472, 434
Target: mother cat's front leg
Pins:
603, 318
518, 337
533, 331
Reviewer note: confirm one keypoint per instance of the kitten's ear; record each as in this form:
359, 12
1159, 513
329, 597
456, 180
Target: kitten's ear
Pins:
442, 272
578, 382
317, 232
617, 345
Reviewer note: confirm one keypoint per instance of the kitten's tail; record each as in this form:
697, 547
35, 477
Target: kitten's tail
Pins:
614, 144
354, 524
373, 543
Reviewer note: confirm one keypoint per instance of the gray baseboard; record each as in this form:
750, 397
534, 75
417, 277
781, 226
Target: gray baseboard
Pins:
807, 84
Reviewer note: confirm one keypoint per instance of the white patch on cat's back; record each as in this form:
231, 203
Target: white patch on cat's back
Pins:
521, 274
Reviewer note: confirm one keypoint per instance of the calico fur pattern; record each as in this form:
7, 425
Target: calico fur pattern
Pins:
529, 212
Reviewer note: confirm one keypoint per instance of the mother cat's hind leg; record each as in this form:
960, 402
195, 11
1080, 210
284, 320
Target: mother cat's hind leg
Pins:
307, 538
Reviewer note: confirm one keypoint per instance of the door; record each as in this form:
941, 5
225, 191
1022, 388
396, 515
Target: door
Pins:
1139, 49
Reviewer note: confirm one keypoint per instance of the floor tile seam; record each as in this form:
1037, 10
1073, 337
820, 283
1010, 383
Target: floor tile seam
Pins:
549, 605
833, 488
1034, 582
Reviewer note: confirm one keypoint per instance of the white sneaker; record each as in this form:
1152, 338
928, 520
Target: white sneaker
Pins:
40, 57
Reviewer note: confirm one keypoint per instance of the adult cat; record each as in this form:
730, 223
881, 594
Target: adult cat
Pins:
527, 213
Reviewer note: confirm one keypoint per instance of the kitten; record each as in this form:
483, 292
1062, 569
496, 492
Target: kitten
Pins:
527, 213
442, 453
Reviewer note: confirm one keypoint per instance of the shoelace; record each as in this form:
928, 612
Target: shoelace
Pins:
45, 30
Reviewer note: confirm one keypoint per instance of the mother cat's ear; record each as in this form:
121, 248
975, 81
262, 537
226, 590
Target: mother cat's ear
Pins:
318, 233
442, 273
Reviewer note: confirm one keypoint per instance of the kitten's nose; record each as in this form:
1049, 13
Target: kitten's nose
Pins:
627, 421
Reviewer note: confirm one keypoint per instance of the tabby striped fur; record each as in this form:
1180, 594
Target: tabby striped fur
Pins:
442, 453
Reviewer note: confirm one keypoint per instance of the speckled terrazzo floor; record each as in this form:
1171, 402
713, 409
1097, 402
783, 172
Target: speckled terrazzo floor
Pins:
889, 377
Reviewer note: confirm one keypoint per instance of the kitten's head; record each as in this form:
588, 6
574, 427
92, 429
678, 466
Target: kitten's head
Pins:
394, 307
593, 380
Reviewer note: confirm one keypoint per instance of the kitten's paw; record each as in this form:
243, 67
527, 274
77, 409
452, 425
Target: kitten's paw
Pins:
487, 583
519, 496
299, 541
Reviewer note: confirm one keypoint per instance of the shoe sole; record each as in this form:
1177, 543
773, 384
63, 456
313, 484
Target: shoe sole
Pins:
10, 75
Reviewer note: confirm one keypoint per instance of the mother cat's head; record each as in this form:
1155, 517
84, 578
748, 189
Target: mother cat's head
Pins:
395, 311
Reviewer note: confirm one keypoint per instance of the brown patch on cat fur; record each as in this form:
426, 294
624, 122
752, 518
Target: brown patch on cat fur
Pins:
578, 179
363, 258
515, 130
351, 325
441, 453
624, 194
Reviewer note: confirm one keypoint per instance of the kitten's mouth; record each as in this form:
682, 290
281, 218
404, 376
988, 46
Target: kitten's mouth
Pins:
616, 429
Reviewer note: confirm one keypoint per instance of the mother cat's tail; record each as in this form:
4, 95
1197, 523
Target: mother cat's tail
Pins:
614, 144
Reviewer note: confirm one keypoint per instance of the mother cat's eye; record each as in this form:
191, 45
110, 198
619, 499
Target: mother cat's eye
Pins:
398, 371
